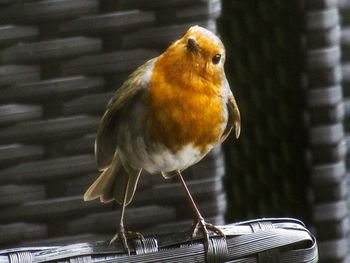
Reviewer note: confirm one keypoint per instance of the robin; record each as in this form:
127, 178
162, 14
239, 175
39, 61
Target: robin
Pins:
167, 116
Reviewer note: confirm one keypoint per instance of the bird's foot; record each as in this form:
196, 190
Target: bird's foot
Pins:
122, 235
200, 224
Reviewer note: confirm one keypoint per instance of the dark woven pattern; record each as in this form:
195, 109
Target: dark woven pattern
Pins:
266, 173
327, 144
280, 89
344, 9
60, 61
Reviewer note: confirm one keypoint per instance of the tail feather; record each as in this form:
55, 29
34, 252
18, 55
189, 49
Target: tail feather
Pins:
112, 183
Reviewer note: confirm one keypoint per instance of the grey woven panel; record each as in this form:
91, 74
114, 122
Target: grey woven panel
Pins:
60, 62
326, 111
344, 9
265, 240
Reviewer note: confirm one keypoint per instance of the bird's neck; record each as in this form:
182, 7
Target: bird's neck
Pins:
187, 71
186, 107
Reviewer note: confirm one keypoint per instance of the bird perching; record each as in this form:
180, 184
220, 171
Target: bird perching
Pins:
167, 116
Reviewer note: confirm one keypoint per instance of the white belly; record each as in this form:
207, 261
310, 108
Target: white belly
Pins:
167, 161
160, 159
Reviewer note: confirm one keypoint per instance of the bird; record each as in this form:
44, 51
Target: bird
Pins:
168, 114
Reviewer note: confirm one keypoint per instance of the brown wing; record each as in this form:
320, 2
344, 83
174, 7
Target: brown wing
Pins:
105, 143
234, 117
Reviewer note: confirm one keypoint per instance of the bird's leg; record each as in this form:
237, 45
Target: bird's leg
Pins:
121, 234
199, 223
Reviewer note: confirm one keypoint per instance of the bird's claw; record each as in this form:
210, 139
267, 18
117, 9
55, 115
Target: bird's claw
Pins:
200, 224
122, 235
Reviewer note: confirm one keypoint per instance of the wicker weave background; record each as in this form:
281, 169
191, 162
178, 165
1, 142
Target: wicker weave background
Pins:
60, 61
327, 140
288, 62
344, 10
264, 66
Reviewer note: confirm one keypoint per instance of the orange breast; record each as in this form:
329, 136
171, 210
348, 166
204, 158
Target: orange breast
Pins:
183, 107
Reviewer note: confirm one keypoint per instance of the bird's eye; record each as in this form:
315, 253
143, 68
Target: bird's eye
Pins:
216, 59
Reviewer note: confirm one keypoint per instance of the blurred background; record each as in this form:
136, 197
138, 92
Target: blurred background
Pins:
288, 63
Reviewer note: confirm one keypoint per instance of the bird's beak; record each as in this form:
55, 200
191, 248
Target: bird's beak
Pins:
192, 45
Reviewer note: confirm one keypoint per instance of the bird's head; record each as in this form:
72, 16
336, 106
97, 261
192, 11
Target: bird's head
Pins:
199, 52
203, 46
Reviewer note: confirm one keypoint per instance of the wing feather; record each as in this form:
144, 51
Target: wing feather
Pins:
234, 116
106, 138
